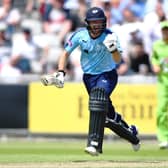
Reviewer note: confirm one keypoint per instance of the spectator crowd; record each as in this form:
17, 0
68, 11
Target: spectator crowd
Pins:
32, 36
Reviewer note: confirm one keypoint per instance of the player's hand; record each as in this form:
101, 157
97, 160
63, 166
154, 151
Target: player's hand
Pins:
110, 42
56, 79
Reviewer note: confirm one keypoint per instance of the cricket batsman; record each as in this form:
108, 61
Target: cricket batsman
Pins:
100, 53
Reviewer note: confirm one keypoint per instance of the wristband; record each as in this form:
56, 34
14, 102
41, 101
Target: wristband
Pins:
62, 72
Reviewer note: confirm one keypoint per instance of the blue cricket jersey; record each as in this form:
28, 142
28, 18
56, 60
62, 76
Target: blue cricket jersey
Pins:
95, 57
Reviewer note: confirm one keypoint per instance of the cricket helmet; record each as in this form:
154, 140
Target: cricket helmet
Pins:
95, 14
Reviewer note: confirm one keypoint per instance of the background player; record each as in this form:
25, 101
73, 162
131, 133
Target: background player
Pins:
160, 67
100, 53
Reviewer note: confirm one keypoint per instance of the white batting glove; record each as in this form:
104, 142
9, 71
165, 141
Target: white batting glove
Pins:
56, 79
110, 42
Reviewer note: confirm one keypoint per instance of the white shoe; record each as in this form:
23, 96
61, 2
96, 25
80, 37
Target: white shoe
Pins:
134, 131
91, 150
136, 147
163, 145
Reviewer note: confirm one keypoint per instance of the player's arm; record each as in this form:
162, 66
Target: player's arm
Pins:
156, 66
57, 78
63, 60
116, 56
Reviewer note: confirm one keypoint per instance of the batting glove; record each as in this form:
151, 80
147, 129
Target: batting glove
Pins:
111, 42
56, 79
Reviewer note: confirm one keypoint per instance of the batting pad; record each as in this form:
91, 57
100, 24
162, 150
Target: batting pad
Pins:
121, 131
98, 106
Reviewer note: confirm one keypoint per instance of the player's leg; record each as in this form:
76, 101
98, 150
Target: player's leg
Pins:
162, 119
98, 106
115, 122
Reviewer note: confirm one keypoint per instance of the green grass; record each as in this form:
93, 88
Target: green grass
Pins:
64, 151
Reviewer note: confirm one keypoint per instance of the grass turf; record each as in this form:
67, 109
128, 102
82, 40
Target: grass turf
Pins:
26, 151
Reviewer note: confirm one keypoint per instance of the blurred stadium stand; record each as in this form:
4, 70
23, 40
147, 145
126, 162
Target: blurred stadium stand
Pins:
20, 4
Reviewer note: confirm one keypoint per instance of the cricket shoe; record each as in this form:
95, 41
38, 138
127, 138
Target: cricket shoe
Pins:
134, 131
163, 145
91, 150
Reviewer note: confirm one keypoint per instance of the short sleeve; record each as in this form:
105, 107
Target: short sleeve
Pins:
72, 42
